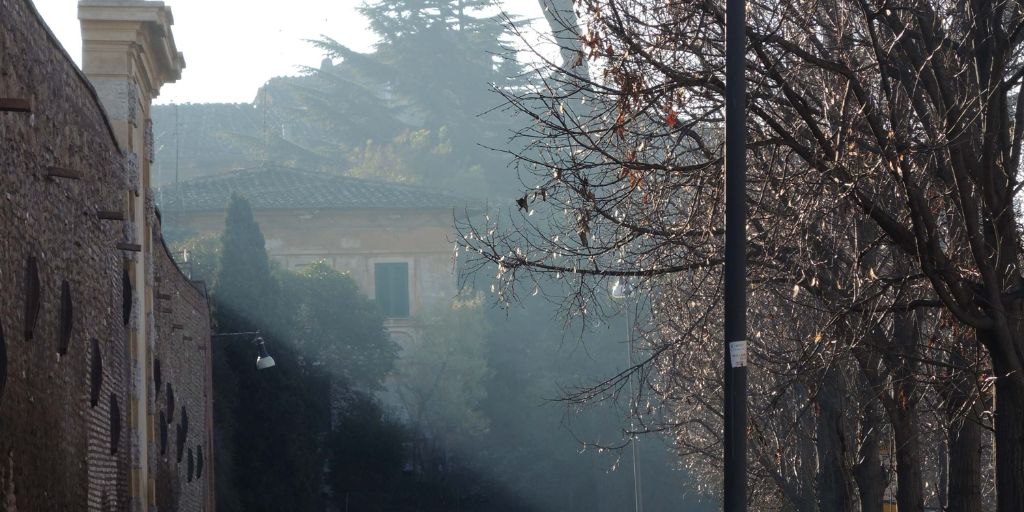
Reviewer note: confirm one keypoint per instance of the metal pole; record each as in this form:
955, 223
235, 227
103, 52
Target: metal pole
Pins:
735, 456
177, 156
638, 495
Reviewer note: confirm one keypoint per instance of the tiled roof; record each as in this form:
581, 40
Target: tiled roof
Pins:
196, 139
273, 187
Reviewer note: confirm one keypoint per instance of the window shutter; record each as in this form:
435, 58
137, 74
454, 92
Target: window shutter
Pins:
391, 281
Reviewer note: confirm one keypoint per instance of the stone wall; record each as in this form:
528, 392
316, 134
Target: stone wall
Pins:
58, 450
64, 352
181, 456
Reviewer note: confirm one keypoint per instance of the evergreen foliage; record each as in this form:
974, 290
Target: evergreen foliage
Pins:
200, 258
536, 358
380, 465
274, 428
418, 109
442, 381
265, 422
334, 325
477, 387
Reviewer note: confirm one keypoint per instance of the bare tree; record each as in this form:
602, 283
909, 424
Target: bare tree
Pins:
884, 148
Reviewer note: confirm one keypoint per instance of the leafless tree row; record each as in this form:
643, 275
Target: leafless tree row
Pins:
886, 305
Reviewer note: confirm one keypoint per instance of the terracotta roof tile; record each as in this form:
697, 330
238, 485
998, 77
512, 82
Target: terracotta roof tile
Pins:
273, 187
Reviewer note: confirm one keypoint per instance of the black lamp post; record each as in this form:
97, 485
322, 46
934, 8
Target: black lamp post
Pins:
735, 407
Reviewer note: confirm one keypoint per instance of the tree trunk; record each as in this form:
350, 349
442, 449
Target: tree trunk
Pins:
943, 461
963, 484
1009, 440
965, 468
868, 472
909, 481
833, 475
564, 24
904, 418
1004, 344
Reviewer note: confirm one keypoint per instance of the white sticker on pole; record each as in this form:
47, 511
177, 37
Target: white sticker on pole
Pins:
738, 353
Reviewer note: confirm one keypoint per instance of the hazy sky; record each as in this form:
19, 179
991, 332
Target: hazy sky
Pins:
232, 47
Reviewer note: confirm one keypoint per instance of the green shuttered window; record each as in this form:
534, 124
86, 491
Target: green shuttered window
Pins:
391, 284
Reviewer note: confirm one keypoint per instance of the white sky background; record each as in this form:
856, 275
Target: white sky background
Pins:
232, 47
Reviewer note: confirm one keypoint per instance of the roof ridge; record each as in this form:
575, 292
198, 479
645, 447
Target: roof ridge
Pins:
204, 105
310, 172
281, 186
384, 182
209, 177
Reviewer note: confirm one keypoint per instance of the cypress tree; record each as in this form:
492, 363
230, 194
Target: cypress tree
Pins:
246, 290
266, 422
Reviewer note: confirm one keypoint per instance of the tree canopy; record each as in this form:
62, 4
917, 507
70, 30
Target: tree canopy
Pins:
419, 108
333, 324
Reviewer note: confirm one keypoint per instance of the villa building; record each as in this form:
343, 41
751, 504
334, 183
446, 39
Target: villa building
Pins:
395, 241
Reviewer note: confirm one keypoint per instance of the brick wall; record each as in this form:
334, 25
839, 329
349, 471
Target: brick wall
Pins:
61, 296
55, 446
183, 352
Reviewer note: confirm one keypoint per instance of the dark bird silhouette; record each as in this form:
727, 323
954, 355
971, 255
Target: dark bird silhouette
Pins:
522, 202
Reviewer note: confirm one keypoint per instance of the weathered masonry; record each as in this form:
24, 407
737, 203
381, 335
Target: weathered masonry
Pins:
105, 380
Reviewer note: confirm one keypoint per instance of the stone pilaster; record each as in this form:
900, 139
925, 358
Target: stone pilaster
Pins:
128, 53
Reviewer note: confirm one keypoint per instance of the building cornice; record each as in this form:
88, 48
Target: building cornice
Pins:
143, 28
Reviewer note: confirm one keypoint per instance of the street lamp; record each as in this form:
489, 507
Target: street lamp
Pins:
622, 289
263, 359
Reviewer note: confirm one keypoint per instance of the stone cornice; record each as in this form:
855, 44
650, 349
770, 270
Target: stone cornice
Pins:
144, 27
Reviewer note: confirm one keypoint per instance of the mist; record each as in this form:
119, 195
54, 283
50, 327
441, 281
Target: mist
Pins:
449, 255
324, 215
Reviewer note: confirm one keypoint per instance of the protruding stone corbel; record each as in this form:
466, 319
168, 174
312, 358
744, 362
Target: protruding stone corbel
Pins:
110, 215
63, 172
15, 105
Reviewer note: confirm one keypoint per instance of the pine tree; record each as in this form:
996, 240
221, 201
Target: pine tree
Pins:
440, 58
423, 95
